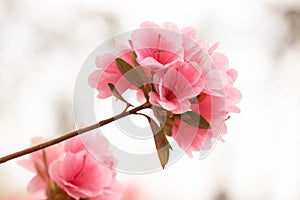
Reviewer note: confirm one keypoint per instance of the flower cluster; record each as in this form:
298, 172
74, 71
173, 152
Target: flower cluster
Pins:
188, 84
70, 172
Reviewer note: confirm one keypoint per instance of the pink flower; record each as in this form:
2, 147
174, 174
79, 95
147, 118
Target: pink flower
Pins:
73, 173
39, 162
109, 73
182, 69
156, 48
134, 191
191, 138
81, 176
181, 82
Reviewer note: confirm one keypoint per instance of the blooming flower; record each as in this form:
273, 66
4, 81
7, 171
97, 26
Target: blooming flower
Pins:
73, 174
81, 176
109, 73
39, 162
181, 82
188, 79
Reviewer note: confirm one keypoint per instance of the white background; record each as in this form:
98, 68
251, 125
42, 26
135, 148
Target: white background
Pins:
43, 44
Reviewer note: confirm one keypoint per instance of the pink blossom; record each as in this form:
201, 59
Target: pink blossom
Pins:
81, 176
156, 48
181, 68
134, 191
191, 138
36, 158
108, 73
36, 163
181, 82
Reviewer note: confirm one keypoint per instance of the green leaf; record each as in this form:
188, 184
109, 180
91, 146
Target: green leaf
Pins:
160, 114
195, 120
39, 172
116, 93
161, 142
134, 75
135, 62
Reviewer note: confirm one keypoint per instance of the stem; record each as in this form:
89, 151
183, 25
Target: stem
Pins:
72, 134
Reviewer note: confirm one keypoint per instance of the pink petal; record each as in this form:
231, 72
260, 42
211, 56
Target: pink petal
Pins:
168, 105
183, 107
189, 32
37, 187
27, 164
232, 73
94, 78
148, 24
151, 63
220, 60
74, 145
112, 192
170, 26
105, 60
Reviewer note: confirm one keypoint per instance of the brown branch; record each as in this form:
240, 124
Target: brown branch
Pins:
72, 134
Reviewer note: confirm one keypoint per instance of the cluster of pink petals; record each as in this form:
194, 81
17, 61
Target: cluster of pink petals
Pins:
109, 73
175, 86
37, 187
181, 68
74, 171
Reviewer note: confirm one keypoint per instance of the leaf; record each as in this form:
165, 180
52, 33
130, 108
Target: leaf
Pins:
160, 114
195, 120
39, 172
135, 62
161, 142
134, 75
115, 92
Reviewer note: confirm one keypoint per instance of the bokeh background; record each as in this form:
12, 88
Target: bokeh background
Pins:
43, 44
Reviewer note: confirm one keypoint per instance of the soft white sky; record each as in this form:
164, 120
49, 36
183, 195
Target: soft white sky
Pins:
44, 43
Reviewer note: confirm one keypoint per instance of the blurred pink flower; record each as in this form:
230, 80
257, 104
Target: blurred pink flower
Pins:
72, 172
81, 176
39, 162
134, 191
14, 196
37, 158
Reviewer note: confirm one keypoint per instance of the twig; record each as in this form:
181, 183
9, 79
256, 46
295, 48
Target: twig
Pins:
72, 134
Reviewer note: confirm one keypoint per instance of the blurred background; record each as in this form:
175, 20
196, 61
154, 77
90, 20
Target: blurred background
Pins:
43, 44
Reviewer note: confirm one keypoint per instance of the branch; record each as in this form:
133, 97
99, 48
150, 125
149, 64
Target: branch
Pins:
72, 134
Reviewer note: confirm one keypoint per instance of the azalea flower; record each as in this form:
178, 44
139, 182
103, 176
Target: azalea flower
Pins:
181, 82
109, 73
72, 173
39, 162
186, 79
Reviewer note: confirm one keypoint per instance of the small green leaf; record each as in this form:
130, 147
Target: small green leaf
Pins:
160, 114
161, 142
134, 75
195, 120
135, 62
115, 92
39, 172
